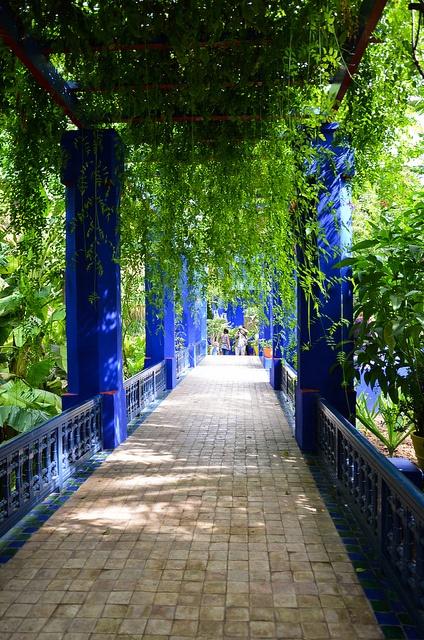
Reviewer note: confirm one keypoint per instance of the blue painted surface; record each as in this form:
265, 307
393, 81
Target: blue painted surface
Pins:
265, 327
160, 331
188, 317
318, 372
92, 278
276, 335
235, 314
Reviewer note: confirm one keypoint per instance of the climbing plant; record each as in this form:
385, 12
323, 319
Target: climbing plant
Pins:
217, 103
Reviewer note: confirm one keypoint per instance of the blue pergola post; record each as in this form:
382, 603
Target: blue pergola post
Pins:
318, 371
160, 331
289, 335
265, 327
188, 318
92, 276
203, 332
276, 335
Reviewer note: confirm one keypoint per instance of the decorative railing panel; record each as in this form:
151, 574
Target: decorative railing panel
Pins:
34, 464
288, 383
143, 388
388, 506
200, 350
183, 362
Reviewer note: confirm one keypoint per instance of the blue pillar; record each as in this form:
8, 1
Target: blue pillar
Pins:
318, 371
289, 336
188, 317
235, 314
92, 277
265, 328
160, 330
276, 331
203, 317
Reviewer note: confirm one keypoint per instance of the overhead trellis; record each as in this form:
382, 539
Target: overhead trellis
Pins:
216, 101
189, 62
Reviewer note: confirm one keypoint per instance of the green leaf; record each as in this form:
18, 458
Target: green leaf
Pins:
365, 244
58, 315
10, 304
39, 371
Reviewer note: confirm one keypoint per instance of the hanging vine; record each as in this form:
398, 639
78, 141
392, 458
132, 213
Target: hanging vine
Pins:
217, 103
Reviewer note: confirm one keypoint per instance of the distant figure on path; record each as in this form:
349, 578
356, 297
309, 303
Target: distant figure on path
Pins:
225, 343
241, 341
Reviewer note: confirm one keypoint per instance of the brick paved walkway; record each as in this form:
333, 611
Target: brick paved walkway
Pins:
206, 523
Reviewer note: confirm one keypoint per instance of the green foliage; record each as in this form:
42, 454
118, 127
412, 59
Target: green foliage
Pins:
216, 327
396, 427
231, 197
133, 351
389, 308
376, 106
22, 407
265, 344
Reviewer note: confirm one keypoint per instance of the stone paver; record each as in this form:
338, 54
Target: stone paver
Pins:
206, 523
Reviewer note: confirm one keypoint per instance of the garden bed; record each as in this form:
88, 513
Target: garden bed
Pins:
404, 450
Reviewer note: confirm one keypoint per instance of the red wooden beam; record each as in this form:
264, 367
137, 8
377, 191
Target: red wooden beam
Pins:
29, 53
157, 46
190, 118
361, 44
152, 86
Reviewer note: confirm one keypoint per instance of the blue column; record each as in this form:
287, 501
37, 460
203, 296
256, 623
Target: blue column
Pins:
93, 164
276, 331
265, 328
188, 317
289, 333
160, 330
203, 315
318, 371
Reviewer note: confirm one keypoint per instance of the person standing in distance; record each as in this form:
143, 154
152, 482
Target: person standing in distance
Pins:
225, 343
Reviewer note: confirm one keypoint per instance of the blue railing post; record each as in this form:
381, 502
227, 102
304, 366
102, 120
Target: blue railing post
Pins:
317, 363
92, 280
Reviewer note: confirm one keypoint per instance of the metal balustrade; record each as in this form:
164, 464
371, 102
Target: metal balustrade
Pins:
183, 362
200, 350
288, 383
143, 388
388, 506
34, 464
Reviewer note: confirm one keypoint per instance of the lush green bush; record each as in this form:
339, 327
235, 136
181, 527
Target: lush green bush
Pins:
389, 308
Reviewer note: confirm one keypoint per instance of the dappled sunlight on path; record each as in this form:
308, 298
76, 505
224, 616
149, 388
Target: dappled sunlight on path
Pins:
205, 523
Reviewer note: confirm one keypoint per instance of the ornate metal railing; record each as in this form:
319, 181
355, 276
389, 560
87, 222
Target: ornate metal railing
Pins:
143, 388
34, 464
288, 383
183, 362
200, 350
388, 506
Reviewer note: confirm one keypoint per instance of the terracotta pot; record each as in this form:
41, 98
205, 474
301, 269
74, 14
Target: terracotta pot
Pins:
267, 352
418, 442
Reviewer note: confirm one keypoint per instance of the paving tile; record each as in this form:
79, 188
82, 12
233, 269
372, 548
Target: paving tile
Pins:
206, 523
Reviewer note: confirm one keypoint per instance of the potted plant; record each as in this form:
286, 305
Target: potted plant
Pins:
266, 347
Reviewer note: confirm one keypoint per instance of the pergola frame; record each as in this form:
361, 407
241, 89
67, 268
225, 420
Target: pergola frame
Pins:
94, 331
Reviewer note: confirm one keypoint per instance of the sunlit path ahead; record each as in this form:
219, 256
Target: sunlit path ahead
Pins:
206, 523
